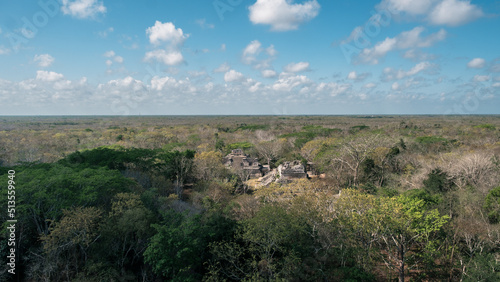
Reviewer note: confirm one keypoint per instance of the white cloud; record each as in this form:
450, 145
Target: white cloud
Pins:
253, 48
233, 75
82, 9
405, 40
225, 67
296, 67
370, 85
476, 63
109, 54
268, 73
288, 82
395, 86
118, 59
104, 33
203, 24
412, 7
271, 51
481, 78
333, 89
454, 13
48, 76
357, 77
171, 58
170, 83
166, 32
4, 50
44, 60
496, 84
223, 47
252, 55
112, 57
391, 74
283, 15
417, 55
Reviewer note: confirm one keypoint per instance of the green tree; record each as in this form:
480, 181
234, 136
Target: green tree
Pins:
180, 246
492, 205
404, 225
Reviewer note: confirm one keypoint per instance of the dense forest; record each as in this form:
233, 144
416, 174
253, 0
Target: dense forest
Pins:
150, 199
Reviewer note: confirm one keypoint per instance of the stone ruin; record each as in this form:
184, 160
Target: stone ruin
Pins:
237, 159
285, 173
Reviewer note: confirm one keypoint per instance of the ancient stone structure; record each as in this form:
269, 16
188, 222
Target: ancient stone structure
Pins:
237, 159
291, 170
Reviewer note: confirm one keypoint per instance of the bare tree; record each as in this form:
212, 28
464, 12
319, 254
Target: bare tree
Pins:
472, 169
270, 149
355, 151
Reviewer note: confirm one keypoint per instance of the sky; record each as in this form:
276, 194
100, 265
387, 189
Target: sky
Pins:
249, 57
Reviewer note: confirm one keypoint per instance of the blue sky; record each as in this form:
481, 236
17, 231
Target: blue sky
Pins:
94, 57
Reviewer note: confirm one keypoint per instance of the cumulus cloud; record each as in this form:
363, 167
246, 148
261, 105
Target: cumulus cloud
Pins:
251, 51
437, 12
165, 32
454, 13
333, 88
203, 24
44, 60
406, 40
170, 58
412, 7
395, 86
268, 73
287, 82
48, 76
170, 83
109, 54
283, 15
476, 63
168, 34
112, 57
391, 74
481, 78
83, 9
225, 67
232, 76
358, 77
106, 32
370, 85
4, 50
253, 55
296, 67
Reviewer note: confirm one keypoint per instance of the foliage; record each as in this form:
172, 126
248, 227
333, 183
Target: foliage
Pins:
179, 248
492, 205
239, 145
437, 181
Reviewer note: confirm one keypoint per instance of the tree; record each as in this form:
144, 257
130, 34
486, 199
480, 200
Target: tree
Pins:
178, 167
404, 225
208, 165
354, 152
70, 239
131, 219
265, 249
492, 205
270, 149
180, 246
437, 181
